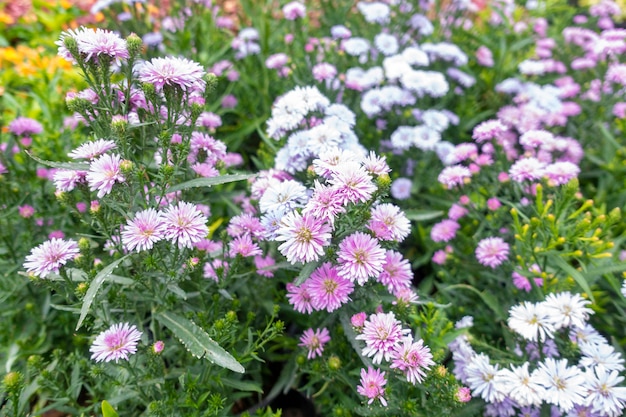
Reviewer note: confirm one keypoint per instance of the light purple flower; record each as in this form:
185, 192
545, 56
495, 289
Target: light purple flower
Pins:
299, 298
314, 341
185, 224
294, 10
444, 231
382, 333
353, 183
397, 273
360, 257
115, 343
372, 385
455, 175
103, 173
100, 42
304, 236
143, 231
388, 222
412, 358
401, 188
328, 290
527, 169
25, 126
90, 150
492, 251
50, 256
174, 72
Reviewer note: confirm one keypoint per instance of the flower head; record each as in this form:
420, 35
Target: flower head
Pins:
304, 236
492, 251
115, 343
372, 383
50, 256
314, 341
143, 231
382, 334
328, 290
24, 126
173, 72
360, 257
90, 150
103, 173
412, 358
185, 224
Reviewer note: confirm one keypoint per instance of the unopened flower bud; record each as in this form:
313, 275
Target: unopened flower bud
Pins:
134, 44
13, 382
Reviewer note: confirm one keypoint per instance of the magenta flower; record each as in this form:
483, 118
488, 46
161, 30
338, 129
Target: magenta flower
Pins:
263, 264
26, 211
90, 150
314, 341
325, 203
299, 298
185, 224
304, 237
143, 231
382, 333
50, 256
372, 383
244, 246
173, 72
115, 343
444, 231
397, 273
103, 173
412, 358
327, 289
492, 251
25, 126
360, 257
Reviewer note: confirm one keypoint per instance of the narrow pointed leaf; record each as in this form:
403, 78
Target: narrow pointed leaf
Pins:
577, 275
423, 215
108, 410
209, 182
94, 286
198, 342
74, 166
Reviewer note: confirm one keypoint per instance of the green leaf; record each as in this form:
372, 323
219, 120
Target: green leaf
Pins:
108, 410
577, 275
487, 298
209, 182
75, 166
242, 385
306, 272
198, 342
423, 215
94, 286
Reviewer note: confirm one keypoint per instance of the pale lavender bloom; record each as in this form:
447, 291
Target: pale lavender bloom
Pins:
143, 231
382, 334
604, 394
412, 358
244, 246
185, 224
282, 195
360, 257
527, 169
492, 251
372, 383
484, 56
559, 173
353, 183
314, 341
173, 72
103, 173
565, 385
324, 71
401, 188
484, 379
276, 61
67, 179
96, 43
388, 222
444, 231
487, 130
90, 150
117, 342
521, 385
50, 256
325, 203
327, 289
397, 273
453, 176
294, 10
25, 126
304, 236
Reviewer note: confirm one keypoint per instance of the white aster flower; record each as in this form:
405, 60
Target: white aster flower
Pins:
484, 379
603, 394
564, 385
531, 321
601, 354
519, 384
567, 310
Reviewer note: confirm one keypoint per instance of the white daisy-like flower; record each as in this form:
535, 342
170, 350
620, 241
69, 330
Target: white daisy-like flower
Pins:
603, 394
531, 321
567, 310
484, 379
521, 385
425, 138
602, 354
285, 195
387, 44
564, 385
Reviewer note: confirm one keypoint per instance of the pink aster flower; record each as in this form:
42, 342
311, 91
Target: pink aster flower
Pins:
143, 231
444, 231
325, 203
314, 341
103, 173
173, 72
396, 273
527, 169
117, 342
353, 183
26, 211
67, 179
328, 290
263, 264
492, 251
215, 269
388, 222
559, 173
304, 237
372, 383
244, 246
360, 257
299, 298
185, 224
25, 126
454, 175
90, 150
412, 358
97, 43
294, 10
50, 256
382, 333
488, 130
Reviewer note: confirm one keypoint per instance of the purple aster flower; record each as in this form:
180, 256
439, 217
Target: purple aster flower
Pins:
100, 42
215, 269
328, 290
360, 257
444, 231
263, 265
382, 333
304, 237
299, 298
492, 251
294, 10
50, 256
388, 222
244, 246
66, 179
412, 358
90, 150
245, 224
487, 130
314, 341
354, 183
396, 273
401, 188
560, 173
24, 126
325, 203
455, 175
174, 72
185, 224
143, 231
117, 342
372, 385
103, 173
527, 169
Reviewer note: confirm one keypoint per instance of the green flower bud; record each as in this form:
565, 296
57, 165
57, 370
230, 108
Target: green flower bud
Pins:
134, 44
13, 382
